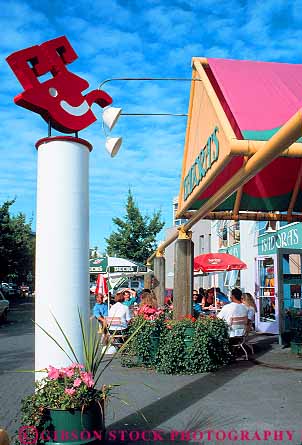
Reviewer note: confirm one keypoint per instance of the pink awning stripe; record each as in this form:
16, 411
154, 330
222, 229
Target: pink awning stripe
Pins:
260, 95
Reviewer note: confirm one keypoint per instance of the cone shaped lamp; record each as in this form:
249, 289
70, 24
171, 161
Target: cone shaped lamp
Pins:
110, 116
113, 145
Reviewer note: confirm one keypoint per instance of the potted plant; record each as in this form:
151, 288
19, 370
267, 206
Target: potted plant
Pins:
68, 405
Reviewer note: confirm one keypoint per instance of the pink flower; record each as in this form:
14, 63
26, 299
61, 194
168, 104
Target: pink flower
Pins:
68, 372
53, 373
70, 391
77, 382
87, 379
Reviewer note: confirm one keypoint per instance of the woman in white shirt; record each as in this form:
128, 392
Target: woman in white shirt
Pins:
121, 311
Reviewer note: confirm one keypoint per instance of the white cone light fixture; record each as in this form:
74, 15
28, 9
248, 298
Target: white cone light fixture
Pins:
110, 116
113, 145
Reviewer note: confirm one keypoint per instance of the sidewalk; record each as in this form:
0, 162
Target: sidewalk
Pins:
269, 353
255, 395
262, 394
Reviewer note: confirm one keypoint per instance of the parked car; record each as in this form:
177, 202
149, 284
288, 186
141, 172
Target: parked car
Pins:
7, 290
15, 288
4, 307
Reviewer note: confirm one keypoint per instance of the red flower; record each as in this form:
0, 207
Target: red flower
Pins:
189, 317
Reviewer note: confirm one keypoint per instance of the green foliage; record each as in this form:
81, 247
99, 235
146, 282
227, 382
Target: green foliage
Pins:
185, 346
70, 388
143, 348
82, 378
16, 245
135, 237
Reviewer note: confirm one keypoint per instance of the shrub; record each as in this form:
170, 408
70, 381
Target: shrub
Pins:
142, 349
186, 346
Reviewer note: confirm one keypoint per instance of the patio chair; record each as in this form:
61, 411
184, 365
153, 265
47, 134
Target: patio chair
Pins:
238, 330
116, 330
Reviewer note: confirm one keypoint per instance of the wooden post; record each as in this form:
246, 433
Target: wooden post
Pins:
148, 279
183, 275
160, 275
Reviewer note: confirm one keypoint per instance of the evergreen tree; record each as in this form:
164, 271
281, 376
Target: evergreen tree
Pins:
135, 237
16, 245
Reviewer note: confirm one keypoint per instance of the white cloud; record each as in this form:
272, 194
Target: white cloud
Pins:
129, 39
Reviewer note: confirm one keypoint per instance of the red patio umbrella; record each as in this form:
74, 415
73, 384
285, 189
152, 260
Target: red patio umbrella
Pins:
101, 285
217, 262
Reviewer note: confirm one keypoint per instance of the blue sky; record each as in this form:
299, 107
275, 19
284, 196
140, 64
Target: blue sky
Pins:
132, 38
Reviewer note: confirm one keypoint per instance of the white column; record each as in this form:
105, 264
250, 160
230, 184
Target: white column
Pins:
62, 246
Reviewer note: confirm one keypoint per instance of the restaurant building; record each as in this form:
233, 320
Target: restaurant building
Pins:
241, 170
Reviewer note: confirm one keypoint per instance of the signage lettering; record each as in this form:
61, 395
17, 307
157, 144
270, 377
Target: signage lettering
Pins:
113, 269
286, 238
204, 161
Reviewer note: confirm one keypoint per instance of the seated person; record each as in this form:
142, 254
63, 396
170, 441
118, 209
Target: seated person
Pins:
100, 309
128, 300
234, 309
196, 304
149, 299
148, 305
121, 311
221, 296
249, 302
208, 303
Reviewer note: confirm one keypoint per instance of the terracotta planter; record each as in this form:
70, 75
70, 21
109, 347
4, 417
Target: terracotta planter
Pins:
74, 427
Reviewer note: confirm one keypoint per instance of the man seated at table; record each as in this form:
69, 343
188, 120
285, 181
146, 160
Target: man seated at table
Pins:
234, 309
100, 309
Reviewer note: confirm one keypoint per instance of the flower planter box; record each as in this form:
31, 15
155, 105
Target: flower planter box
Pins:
188, 340
154, 344
296, 347
74, 427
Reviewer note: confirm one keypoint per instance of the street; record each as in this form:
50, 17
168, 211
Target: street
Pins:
16, 353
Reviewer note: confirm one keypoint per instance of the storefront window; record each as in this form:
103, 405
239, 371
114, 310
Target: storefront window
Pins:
267, 290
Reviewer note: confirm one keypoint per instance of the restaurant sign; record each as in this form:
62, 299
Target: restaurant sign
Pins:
288, 237
204, 161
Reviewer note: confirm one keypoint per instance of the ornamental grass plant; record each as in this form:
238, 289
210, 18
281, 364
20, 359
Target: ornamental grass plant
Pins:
76, 387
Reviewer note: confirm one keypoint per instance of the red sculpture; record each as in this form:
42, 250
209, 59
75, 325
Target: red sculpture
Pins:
59, 99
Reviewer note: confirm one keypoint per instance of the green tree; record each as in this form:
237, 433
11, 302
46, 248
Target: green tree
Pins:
135, 237
17, 244
5, 239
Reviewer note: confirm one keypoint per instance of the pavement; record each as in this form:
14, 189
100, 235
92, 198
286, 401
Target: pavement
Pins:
257, 401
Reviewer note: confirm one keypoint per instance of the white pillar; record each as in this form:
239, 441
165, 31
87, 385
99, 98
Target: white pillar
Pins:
62, 246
